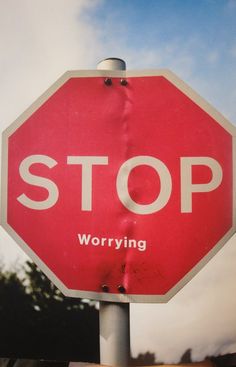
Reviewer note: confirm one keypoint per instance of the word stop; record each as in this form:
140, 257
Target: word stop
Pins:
187, 187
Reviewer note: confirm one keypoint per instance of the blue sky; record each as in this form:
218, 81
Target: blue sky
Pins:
163, 20
150, 24
196, 39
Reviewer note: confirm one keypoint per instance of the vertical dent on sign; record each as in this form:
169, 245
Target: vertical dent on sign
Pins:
127, 228
125, 117
126, 128
126, 223
234, 180
123, 268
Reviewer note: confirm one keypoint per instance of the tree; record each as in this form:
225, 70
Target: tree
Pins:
144, 359
37, 321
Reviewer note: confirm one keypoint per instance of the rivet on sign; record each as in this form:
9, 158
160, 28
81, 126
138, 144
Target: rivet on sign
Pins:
121, 288
123, 82
105, 288
108, 81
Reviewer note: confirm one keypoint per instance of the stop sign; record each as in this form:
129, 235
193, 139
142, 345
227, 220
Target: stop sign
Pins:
119, 185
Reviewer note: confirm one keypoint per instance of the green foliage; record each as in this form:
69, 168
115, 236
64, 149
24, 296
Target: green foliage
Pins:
37, 321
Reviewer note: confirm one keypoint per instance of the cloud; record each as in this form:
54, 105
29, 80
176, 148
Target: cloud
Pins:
39, 41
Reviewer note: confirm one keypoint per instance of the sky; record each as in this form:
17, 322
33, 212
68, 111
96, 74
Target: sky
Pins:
41, 39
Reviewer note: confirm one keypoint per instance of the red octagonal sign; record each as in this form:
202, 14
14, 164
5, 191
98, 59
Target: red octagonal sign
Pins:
119, 191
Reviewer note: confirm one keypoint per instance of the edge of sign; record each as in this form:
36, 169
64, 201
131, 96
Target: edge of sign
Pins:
234, 182
4, 176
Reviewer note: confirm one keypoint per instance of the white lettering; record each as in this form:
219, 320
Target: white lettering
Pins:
132, 243
84, 239
39, 181
95, 241
187, 187
87, 164
103, 240
110, 240
116, 243
165, 184
142, 245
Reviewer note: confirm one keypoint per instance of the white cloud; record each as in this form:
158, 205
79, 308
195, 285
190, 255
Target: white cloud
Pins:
39, 41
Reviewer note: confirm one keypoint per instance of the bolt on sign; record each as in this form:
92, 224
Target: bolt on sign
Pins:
119, 185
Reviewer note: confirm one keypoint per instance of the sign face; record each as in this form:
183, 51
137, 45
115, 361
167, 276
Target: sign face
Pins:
119, 191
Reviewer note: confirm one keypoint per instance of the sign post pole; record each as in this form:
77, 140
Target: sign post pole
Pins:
114, 334
114, 317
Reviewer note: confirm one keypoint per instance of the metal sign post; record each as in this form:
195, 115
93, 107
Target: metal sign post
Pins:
114, 334
114, 317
